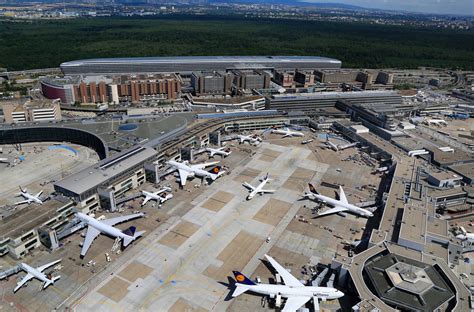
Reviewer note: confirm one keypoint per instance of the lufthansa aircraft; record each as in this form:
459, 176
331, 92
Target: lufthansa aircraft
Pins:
157, 196
29, 198
186, 170
218, 151
296, 293
36, 273
287, 132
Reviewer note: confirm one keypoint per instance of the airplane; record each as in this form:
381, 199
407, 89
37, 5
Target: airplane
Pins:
287, 132
36, 273
156, 195
185, 171
259, 188
4, 160
306, 141
465, 236
29, 198
296, 293
338, 147
247, 138
219, 151
95, 227
341, 205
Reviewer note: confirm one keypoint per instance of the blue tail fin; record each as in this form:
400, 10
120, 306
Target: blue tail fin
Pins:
242, 279
130, 231
215, 170
312, 189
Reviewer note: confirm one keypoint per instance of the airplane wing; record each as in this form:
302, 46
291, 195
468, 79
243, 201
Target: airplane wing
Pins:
267, 191
247, 185
204, 165
22, 202
183, 177
289, 279
147, 198
91, 234
333, 210
39, 194
342, 195
114, 221
44, 267
294, 303
23, 281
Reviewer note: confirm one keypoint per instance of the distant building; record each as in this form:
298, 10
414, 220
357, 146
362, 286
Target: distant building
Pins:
16, 112
251, 79
284, 79
112, 90
304, 79
214, 82
190, 64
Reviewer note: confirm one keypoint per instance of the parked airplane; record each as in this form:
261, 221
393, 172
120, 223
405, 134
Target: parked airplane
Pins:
29, 198
287, 132
4, 160
465, 236
248, 138
296, 293
185, 171
259, 188
219, 151
156, 195
307, 141
339, 147
95, 227
36, 273
341, 205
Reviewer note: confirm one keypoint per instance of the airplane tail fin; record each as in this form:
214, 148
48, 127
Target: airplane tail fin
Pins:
312, 189
463, 230
131, 235
21, 189
215, 172
242, 279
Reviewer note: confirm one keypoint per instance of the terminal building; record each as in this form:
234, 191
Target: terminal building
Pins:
112, 90
31, 112
189, 64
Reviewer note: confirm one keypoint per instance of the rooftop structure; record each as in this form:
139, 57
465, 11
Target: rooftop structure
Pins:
188, 64
408, 284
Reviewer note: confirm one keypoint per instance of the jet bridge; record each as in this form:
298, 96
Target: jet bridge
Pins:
9, 272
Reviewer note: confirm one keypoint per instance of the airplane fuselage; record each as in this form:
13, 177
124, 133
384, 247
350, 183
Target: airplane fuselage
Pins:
31, 198
288, 291
191, 171
257, 190
102, 227
36, 273
351, 208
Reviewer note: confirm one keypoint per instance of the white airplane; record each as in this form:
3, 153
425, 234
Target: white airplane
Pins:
36, 273
185, 171
296, 293
4, 160
341, 205
259, 188
306, 141
219, 151
287, 132
247, 138
156, 195
95, 227
29, 198
465, 236
339, 147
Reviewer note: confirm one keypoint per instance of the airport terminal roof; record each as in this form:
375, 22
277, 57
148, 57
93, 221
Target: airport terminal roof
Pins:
106, 169
408, 284
201, 59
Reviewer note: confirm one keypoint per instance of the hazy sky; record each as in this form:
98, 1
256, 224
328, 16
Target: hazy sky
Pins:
464, 7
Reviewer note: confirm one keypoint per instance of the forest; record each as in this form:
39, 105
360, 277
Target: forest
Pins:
47, 43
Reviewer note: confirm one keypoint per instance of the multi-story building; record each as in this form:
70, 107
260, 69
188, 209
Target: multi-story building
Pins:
211, 83
29, 111
284, 79
304, 79
112, 90
251, 79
